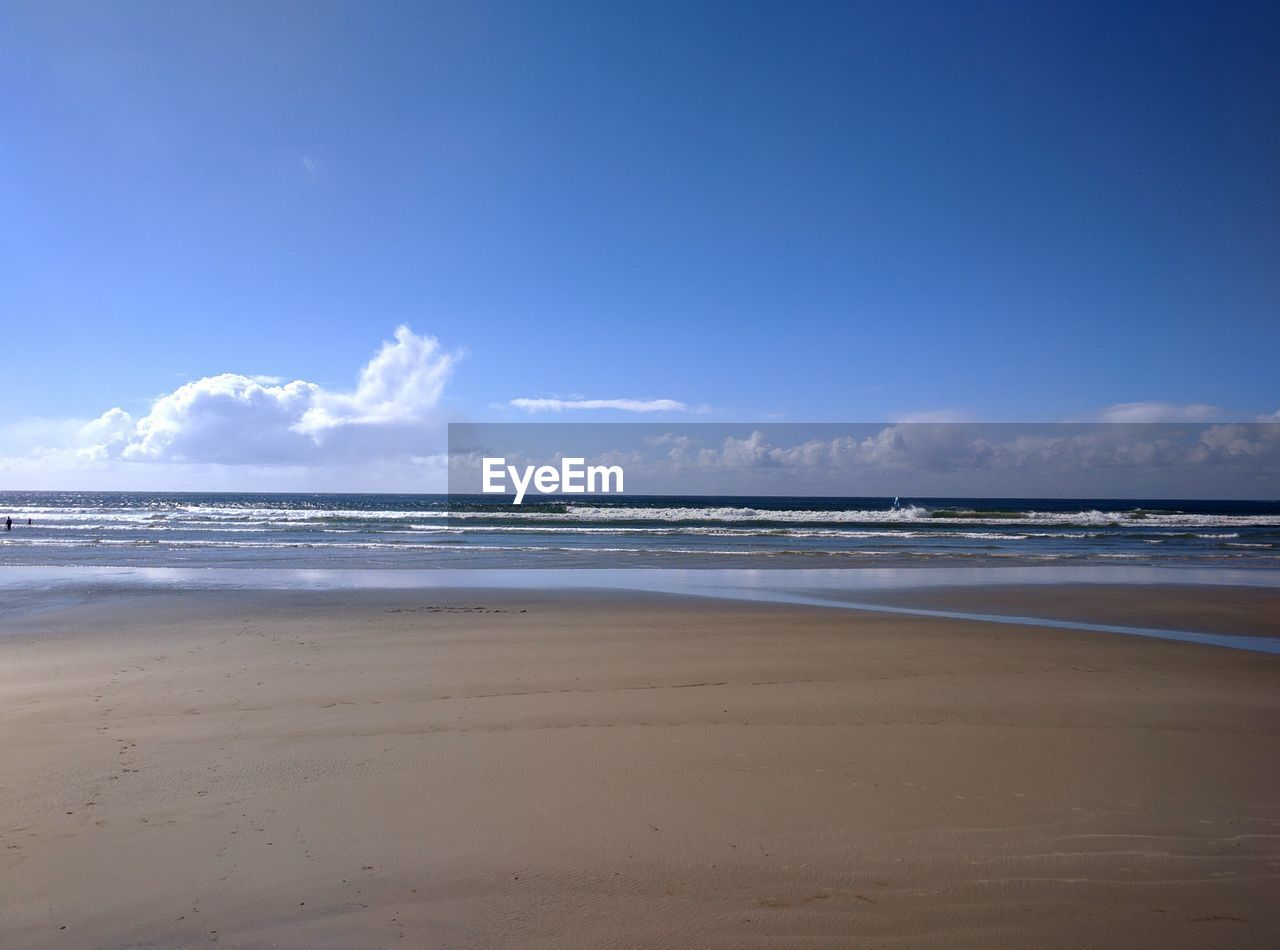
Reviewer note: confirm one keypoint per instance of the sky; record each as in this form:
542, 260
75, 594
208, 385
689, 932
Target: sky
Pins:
279, 245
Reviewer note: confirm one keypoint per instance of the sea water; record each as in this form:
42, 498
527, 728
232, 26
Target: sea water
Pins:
353, 531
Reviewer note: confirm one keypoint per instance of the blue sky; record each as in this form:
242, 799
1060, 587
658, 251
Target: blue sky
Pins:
758, 211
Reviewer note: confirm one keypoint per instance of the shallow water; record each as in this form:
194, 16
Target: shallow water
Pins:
30, 588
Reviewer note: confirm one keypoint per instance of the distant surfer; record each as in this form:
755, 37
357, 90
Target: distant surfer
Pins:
8, 524
897, 505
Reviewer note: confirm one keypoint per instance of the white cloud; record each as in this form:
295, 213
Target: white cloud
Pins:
625, 405
980, 447
1270, 416
1159, 412
236, 420
224, 418
932, 446
404, 379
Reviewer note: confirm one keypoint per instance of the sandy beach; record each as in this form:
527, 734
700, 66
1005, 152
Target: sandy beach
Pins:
523, 769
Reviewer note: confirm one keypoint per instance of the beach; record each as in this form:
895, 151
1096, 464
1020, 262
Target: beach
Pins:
613, 476
551, 769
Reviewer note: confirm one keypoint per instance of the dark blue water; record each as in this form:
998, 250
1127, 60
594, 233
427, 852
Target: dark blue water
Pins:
416, 531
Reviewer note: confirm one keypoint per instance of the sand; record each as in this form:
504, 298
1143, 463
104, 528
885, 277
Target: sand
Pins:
489, 769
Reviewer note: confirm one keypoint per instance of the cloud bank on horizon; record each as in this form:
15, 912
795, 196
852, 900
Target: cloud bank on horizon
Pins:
236, 432
912, 459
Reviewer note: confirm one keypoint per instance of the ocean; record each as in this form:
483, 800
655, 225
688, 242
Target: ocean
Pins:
346, 531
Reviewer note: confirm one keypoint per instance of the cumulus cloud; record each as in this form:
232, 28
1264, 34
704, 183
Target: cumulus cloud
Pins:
405, 379
625, 405
224, 418
233, 419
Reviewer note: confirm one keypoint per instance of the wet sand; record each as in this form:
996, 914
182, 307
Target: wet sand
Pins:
1242, 611
518, 769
